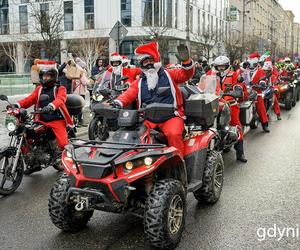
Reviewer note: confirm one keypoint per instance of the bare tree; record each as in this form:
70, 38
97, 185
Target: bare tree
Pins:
89, 49
48, 22
233, 48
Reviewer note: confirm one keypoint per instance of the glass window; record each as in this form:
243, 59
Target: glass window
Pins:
68, 15
176, 14
126, 12
156, 12
4, 21
23, 15
89, 14
169, 13
147, 12
191, 19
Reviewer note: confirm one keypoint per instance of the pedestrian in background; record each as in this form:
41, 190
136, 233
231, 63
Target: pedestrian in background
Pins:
34, 73
79, 87
63, 80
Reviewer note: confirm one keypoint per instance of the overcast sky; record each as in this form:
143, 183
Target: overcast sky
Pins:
292, 5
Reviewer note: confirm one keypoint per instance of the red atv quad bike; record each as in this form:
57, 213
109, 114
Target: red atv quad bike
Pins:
125, 174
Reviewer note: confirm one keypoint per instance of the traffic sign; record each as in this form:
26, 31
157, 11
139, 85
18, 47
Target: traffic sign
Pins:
118, 32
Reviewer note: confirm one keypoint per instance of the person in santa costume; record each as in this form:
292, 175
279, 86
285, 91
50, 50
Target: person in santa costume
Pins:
116, 71
153, 77
54, 111
272, 78
229, 83
258, 76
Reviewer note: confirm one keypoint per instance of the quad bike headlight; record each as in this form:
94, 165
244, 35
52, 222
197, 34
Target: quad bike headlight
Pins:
97, 98
129, 165
148, 161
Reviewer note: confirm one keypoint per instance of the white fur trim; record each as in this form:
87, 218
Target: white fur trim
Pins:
52, 105
140, 57
253, 60
157, 65
140, 93
120, 103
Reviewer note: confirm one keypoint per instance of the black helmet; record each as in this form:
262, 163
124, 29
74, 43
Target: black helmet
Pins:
53, 73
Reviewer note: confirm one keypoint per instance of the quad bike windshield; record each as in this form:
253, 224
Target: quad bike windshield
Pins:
209, 86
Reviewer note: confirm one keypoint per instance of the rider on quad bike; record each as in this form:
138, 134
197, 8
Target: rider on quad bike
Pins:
54, 111
272, 79
229, 84
155, 76
257, 76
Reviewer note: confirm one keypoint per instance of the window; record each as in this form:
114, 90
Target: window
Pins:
44, 8
126, 12
156, 12
147, 12
23, 15
168, 9
191, 20
89, 14
199, 22
176, 14
4, 21
68, 15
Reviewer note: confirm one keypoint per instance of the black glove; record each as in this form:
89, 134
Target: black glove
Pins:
12, 106
246, 65
183, 53
47, 109
116, 105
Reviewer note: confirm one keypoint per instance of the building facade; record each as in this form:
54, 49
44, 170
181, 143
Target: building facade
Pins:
175, 21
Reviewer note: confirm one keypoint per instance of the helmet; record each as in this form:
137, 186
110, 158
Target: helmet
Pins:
53, 73
219, 62
287, 60
289, 68
115, 57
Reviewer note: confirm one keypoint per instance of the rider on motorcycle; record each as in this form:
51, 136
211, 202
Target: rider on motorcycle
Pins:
272, 79
116, 71
229, 83
54, 111
257, 77
153, 77
288, 70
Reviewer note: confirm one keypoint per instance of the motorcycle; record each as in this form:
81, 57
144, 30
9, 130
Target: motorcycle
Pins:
31, 144
141, 175
100, 126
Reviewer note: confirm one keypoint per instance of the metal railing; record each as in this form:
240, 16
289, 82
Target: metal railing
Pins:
13, 84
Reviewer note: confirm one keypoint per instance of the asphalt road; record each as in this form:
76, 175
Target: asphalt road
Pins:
257, 196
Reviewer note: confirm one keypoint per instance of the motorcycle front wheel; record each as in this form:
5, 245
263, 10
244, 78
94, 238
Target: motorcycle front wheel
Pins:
95, 130
9, 182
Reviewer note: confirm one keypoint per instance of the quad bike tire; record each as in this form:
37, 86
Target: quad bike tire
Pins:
93, 130
294, 101
288, 104
62, 214
212, 181
160, 227
17, 180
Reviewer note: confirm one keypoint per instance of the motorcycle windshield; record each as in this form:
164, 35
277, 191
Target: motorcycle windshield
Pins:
209, 86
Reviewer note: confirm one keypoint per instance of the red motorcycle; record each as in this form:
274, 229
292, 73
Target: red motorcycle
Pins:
140, 174
31, 144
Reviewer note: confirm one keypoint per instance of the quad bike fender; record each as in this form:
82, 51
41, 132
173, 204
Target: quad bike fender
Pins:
200, 141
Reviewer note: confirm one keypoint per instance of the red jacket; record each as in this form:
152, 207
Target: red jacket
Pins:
132, 73
58, 103
258, 76
176, 77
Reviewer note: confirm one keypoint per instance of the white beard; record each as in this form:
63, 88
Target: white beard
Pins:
117, 70
152, 78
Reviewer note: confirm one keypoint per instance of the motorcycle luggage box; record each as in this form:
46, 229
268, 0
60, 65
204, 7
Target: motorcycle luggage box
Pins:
201, 109
75, 104
246, 113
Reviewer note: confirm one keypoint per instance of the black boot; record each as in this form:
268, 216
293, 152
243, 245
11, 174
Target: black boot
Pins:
239, 147
265, 127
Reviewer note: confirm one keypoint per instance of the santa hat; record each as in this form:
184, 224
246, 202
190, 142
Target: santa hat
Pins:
115, 57
268, 64
254, 57
46, 65
125, 59
146, 50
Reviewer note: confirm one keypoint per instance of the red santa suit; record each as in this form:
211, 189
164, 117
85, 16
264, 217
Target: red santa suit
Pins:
231, 79
273, 79
58, 126
256, 77
173, 126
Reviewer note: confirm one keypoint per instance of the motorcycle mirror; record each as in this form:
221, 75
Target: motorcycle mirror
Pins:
44, 98
3, 98
163, 91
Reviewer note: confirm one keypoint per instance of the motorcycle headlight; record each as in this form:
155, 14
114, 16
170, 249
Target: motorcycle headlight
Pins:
11, 126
